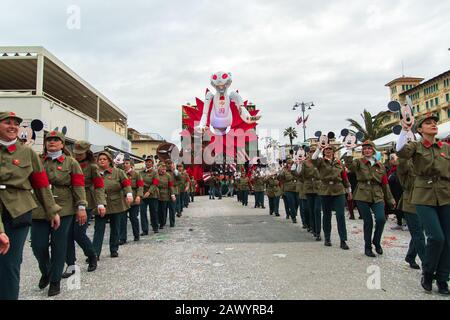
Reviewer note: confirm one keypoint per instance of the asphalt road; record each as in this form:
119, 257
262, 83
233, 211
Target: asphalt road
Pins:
221, 250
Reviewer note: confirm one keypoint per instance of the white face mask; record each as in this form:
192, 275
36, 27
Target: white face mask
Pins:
55, 154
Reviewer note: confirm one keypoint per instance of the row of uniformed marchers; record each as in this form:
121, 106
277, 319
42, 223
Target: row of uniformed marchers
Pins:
316, 185
56, 195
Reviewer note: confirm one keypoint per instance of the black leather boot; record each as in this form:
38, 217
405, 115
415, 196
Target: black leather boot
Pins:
55, 289
92, 263
443, 287
413, 264
369, 253
327, 243
344, 245
70, 270
43, 282
427, 281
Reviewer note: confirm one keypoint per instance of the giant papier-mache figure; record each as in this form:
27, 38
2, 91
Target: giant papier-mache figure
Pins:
221, 117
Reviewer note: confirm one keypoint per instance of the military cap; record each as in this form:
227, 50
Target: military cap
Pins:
81, 146
9, 114
370, 144
56, 134
127, 157
428, 115
329, 147
107, 154
149, 158
162, 165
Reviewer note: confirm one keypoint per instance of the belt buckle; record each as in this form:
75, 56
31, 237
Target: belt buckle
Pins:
331, 182
2, 187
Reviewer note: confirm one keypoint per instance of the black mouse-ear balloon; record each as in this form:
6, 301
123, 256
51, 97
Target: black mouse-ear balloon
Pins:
359, 135
344, 132
394, 106
318, 134
64, 130
396, 129
330, 135
307, 148
37, 125
296, 148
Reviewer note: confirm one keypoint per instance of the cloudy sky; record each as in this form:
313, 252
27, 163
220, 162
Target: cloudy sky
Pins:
149, 57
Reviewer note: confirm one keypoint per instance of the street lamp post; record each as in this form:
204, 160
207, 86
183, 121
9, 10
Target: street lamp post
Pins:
303, 106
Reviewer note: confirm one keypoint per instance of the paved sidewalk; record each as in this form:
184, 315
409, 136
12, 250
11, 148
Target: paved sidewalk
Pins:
221, 250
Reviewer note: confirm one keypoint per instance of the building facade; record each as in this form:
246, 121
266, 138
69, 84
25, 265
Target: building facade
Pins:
37, 85
430, 96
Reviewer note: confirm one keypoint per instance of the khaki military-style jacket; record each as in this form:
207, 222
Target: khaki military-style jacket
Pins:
137, 184
176, 179
117, 186
333, 177
237, 184
273, 187
244, 184
67, 183
301, 189
21, 171
310, 177
193, 185
288, 178
373, 185
94, 185
151, 182
432, 172
183, 182
405, 176
166, 187
258, 184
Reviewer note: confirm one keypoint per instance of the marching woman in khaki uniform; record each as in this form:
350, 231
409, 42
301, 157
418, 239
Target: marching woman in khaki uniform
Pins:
332, 191
137, 185
311, 186
166, 195
119, 197
193, 188
258, 186
96, 198
244, 186
176, 177
431, 196
21, 171
67, 183
288, 178
416, 247
273, 193
371, 194
151, 197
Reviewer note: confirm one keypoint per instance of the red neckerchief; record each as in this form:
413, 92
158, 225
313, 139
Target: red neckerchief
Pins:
427, 144
108, 170
12, 148
60, 159
84, 164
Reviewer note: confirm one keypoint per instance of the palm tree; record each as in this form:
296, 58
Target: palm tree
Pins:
291, 133
373, 125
